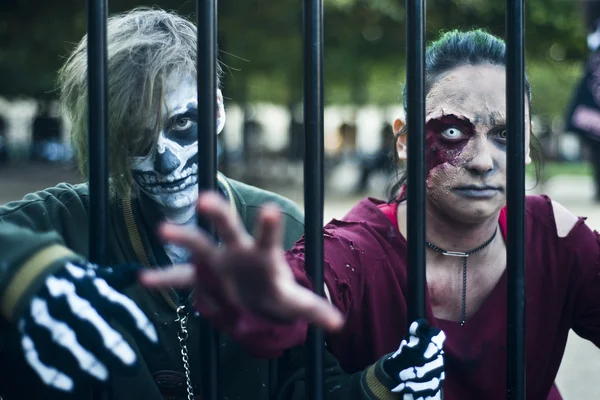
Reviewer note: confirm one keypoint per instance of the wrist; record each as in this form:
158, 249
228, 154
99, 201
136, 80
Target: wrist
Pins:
30, 277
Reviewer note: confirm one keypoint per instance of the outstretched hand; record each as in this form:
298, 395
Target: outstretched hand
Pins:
243, 271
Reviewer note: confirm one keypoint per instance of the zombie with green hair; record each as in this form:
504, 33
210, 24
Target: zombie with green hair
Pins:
460, 349
66, 324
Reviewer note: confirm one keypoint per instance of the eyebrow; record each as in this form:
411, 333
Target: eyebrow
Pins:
192, 105
494, 118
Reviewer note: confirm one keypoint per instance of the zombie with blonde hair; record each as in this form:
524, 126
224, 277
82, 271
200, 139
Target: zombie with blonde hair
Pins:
66, 323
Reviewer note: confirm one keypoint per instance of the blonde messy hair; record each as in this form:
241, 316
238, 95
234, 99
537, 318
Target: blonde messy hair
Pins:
145, 45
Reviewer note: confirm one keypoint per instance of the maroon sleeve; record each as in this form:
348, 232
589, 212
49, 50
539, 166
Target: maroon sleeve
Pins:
342, 275
586, 314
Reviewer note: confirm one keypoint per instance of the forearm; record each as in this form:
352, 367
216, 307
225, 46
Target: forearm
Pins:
27, 258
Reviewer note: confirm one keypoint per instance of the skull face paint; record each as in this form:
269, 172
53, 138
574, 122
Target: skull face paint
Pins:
168, 174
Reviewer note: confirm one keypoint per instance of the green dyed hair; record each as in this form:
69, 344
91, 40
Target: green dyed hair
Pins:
145, 45
456, 48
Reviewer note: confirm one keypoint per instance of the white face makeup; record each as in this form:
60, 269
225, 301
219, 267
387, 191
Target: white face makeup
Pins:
168, 175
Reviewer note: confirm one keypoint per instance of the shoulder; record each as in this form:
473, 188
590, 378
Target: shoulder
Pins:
253, 197
560, 238
552, 215
61, 195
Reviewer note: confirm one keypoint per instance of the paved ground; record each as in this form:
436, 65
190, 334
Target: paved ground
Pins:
580, 369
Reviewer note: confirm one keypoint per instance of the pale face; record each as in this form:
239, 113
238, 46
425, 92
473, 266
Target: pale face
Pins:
168, 174
466, 143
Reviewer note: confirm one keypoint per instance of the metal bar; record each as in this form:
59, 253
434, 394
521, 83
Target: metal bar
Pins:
98, 129
313, 180
415, 87
98, 140
515, 197
207, 168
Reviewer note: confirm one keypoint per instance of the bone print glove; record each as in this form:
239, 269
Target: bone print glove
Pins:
418, 364
66, 334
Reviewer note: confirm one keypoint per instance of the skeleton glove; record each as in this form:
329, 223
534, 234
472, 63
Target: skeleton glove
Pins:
418, 364
66, 334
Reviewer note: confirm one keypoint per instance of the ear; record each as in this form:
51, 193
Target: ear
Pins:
399, 124
220, 112
528, 145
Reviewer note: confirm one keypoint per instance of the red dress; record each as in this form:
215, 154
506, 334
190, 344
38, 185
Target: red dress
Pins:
365, 271
390, 210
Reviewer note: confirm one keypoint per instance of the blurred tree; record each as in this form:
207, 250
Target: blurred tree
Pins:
261, 44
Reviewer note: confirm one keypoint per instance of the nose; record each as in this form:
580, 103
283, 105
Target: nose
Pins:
482, 162
166, 162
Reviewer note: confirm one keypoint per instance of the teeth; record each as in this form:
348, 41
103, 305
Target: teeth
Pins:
188, 180
170, 178
194, 168
187, 172
177, 175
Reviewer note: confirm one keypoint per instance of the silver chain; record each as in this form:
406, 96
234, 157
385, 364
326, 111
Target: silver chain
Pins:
182, 335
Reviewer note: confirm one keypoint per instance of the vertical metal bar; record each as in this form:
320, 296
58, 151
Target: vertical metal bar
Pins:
207, 167
98, 140
415, 87
313, 180
98, 129
515, 197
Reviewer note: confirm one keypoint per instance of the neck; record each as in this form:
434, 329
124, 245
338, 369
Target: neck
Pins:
178, 216
454, 236
450, 235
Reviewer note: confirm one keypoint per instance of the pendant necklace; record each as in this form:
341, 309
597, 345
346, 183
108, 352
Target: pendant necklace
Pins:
464, 257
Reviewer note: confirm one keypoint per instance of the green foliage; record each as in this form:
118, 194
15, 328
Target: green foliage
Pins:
552, 85
261, 45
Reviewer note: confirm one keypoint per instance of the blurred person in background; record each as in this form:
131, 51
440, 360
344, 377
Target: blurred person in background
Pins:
378, 162
583, 114
46, 132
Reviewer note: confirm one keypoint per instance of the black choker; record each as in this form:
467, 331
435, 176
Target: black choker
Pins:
464, 256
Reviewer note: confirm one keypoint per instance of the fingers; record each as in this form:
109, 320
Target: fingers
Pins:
304, 303
83, 310
197, 242
414, 372
142, 323
65, 337
269, 231
178, 276
49, 375
215, 208
431, 386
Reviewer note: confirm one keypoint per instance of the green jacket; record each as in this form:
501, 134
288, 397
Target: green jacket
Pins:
39, 232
